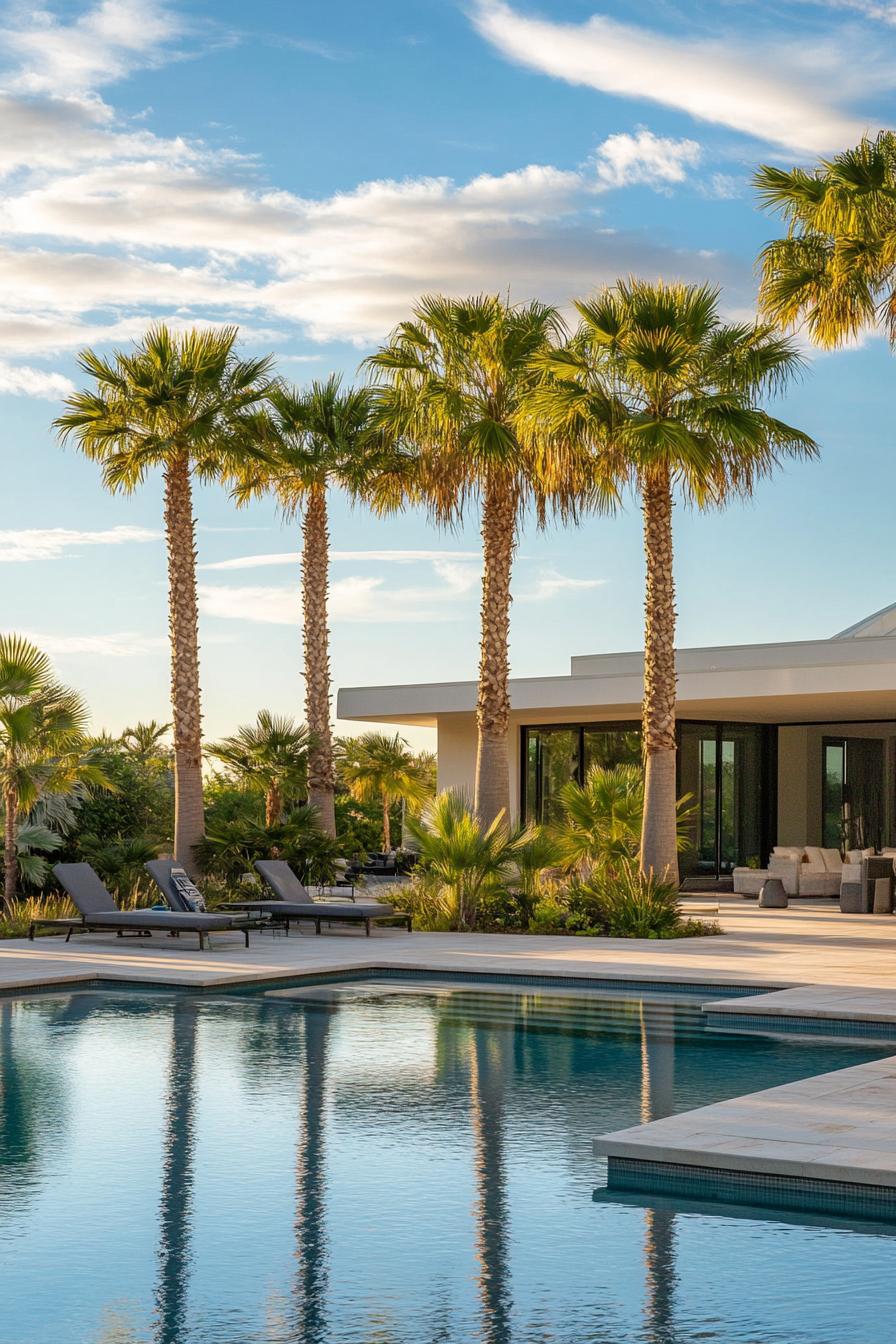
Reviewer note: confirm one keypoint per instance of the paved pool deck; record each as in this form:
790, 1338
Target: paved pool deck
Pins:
813, 970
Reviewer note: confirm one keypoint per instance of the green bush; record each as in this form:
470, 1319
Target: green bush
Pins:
17, 916
630, 904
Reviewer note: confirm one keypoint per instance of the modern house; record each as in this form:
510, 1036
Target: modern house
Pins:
785, 744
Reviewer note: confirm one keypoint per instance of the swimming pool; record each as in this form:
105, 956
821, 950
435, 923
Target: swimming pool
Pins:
392, 1164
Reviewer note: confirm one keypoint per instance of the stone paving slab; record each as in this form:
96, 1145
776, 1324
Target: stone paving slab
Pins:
838, 1126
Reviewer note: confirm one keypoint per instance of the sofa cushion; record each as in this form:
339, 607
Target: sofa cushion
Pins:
833, 861
815, 856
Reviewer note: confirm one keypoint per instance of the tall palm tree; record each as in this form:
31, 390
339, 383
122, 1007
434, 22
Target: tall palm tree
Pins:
450, 383
170, 403
836, 268
667, 398
312, 440
379, 768
269, 756
42, 726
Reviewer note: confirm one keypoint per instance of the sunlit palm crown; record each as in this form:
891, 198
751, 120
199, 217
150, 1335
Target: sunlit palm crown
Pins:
836, 268
274, 748
451, 383
309, 439
175, 392
654, 378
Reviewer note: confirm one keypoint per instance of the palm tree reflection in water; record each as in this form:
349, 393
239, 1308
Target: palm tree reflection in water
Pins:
176, 1202
657, 1101
312, 1264
490, 1063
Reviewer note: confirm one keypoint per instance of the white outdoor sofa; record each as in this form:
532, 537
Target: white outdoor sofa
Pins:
805, 870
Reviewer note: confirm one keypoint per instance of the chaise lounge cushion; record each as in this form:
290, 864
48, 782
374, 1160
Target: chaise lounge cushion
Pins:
95, 904
291, 892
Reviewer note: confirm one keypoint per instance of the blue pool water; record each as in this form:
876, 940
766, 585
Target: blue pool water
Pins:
392, 1165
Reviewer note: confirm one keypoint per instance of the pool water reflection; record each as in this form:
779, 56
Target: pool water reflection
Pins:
391, 1165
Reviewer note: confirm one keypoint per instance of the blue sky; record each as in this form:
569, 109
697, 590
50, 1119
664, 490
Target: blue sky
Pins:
306, 170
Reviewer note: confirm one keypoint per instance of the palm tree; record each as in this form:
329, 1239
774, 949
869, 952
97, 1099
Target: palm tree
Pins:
145, 741
269, 756
836, 268
379, 768
666, 398
450, 383
170, 403
312, 440
42, 725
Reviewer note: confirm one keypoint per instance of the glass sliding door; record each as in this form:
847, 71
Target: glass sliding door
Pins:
720, 766
555, 754
853, 792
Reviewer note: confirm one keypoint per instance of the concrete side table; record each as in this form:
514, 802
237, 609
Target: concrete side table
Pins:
773, 896
883, 896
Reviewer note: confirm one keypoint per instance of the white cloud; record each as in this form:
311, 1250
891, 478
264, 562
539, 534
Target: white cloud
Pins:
105, 43
125, 644
399, 557
22, 380
355, 600
771, 91
653, 160
52, 543
550, 584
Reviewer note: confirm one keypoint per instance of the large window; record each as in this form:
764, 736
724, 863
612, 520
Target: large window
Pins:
853, 792
727, 768
555, 755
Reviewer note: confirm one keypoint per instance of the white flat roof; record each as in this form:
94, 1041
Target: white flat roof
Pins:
825, 679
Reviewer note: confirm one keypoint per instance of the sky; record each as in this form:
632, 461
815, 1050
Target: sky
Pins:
306, 171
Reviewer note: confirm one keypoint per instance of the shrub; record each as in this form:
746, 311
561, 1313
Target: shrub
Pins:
630, 904
16, 917
463, 866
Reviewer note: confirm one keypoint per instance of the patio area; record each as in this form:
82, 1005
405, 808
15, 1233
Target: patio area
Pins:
807, 946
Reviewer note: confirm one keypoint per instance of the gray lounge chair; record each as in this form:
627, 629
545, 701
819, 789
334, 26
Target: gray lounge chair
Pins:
163, 872
99, 911
294, 903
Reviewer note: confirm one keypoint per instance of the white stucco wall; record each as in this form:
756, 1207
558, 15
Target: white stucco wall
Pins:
457, 756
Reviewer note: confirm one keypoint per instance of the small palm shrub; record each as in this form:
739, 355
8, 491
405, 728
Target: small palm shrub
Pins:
463, 866
230, 846
600, 822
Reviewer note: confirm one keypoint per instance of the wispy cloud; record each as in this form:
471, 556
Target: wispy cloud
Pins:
550, 584
399, 557
124, 644
766, 91
25, 381
44, 53
52, 543
355, 600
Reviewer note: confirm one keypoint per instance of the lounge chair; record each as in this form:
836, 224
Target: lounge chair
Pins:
294, 903
99, 911
178, 890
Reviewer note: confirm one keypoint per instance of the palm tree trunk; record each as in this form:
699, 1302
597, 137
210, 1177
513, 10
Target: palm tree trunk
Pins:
659, 849
387, 825
10, 851
183, 622
316, 637
492, 789
273, 805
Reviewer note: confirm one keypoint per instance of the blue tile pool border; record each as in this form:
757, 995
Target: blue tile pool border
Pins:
711, 1185
860, 1029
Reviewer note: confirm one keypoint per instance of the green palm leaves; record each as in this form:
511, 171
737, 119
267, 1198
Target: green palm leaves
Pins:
380, 768
269, 756
42, 747
835, 268
174, 393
